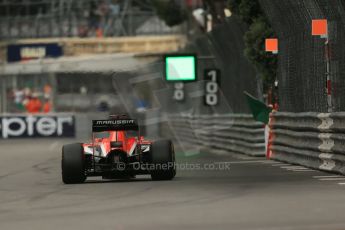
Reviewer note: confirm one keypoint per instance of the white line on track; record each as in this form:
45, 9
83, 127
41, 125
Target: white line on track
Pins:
332, 179
341, 183
303, 170
239, 162
279, 165
293, 167
270, 162
296, 169
328, 176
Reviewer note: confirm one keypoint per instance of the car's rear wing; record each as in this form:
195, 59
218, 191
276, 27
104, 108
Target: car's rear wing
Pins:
114, 125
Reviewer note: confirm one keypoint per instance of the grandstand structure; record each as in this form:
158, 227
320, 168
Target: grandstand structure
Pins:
79, 18
96, 38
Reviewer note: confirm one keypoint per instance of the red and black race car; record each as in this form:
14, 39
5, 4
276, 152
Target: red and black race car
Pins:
117, 151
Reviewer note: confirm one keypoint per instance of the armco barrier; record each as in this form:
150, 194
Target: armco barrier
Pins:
315, 140
230, 132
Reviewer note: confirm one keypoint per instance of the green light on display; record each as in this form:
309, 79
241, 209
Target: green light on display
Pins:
180, 68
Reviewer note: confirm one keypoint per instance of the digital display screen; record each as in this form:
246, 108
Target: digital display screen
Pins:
181, 68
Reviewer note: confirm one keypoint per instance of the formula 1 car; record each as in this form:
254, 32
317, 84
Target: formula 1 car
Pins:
117, 151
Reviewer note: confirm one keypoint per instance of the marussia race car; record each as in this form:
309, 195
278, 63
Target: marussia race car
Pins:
116, 153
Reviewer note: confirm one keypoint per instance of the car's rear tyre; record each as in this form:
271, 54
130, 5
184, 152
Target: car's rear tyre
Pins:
163, 158
73, 164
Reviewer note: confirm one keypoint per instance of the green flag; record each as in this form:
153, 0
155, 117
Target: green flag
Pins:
261, 112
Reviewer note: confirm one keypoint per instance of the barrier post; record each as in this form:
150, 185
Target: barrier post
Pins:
3, 101
328, 77
320, 28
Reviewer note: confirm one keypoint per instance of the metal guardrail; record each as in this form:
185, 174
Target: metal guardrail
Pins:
315, 140
230, 132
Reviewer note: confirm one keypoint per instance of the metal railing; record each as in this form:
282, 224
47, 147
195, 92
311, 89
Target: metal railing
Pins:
315, 140
237, 133
74, 25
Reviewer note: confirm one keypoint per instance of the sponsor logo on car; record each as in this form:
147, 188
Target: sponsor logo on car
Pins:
115, 122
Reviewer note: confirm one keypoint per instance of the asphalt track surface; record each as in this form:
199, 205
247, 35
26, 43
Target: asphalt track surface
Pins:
253, 194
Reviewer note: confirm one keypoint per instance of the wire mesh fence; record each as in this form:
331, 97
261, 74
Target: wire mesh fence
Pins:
302, 57
335, 13
79, 18
225, 44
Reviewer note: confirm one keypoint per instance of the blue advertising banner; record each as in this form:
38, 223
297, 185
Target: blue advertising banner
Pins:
24, 52
37, 126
